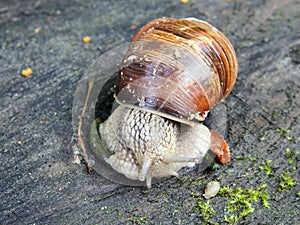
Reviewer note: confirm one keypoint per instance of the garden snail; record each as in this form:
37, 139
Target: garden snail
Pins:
173, 73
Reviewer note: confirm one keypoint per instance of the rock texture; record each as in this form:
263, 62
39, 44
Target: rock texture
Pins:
39, 181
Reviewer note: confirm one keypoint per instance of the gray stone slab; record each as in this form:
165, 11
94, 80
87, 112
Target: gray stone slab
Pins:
39, 181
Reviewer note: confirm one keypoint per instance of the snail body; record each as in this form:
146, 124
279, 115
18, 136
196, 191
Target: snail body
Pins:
155, 146
173, 73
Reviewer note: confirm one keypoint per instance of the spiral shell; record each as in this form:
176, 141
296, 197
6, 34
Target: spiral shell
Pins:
177, 68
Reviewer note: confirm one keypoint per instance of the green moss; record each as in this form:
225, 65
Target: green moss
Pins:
266, 166
216, 167
141, 220
291, 161
288, 152
180, 180
146, 192
262, 136
285, 182
239, 157
252, 159
118, 213
240, 201
191, 180
298, 194
292, 155
291, 138
282, 131
262, 186
274, 115
204, 209
200, 181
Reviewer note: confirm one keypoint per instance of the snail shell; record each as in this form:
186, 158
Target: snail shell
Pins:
181, 68
173, 73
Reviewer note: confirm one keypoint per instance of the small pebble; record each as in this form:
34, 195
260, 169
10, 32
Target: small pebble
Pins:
211, 189
36, 30
133, 26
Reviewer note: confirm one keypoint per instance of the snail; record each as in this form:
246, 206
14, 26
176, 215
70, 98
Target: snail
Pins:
173, 73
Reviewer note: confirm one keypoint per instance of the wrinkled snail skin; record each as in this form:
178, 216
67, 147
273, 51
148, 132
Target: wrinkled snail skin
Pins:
173, 73
147, 145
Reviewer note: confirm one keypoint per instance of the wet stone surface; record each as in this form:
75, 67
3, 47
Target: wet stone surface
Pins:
41, 184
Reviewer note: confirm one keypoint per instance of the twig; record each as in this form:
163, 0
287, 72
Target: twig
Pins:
80, 139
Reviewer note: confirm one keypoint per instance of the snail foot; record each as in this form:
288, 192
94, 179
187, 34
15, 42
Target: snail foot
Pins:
179, 159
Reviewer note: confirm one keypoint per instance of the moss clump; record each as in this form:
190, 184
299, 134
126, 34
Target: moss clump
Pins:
285, 182
266, 166
118, 212
239, 157
253, 159
200, 181
240, 203
282, 131
140, 220
291, 155
205, 209
291, 138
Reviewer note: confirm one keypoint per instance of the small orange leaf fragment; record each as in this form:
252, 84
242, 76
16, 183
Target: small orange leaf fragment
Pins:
86, 39
26, 72
184, 1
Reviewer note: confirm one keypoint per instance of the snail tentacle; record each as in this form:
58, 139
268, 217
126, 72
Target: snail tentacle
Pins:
145, 168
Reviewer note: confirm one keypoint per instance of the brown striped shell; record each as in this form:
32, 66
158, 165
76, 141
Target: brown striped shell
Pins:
180, 68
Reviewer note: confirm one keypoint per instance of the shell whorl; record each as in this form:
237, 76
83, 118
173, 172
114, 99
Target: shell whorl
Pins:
178, 67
